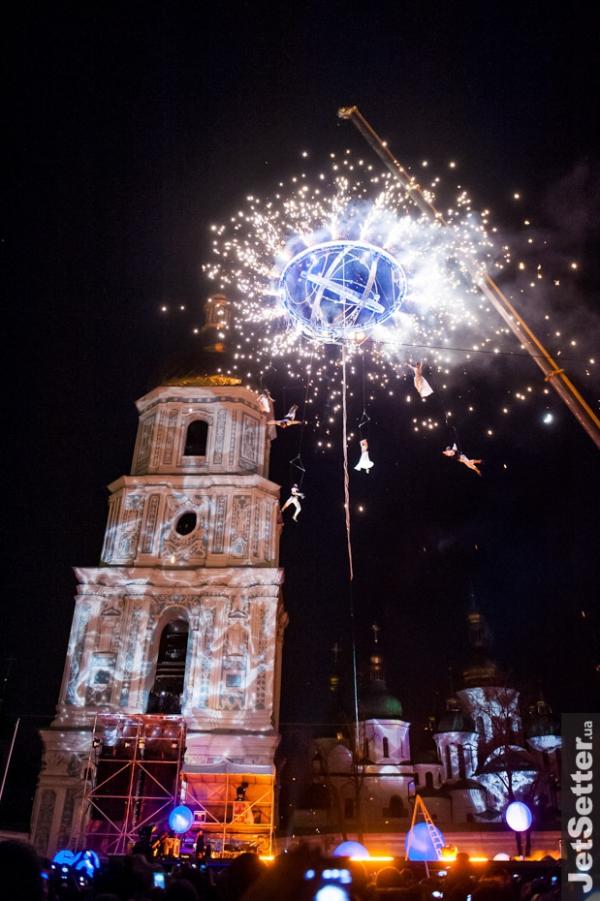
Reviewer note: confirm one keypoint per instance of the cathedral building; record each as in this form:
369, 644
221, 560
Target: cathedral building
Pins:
481, 753
172, 678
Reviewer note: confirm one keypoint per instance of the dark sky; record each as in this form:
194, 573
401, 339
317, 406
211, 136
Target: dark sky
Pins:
135, 125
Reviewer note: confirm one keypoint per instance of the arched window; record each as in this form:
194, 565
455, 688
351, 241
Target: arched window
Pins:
195, 439
428, 779
448, 763
396, 808
479, 725
386, 748
165, 696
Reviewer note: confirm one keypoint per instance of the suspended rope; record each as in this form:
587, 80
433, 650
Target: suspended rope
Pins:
297, 467
365, 419
345, 456
349, 546
297, 471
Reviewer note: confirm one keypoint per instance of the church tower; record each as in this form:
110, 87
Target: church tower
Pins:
173, 664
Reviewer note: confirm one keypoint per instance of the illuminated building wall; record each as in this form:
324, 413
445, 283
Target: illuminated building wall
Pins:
186, 596
482, 752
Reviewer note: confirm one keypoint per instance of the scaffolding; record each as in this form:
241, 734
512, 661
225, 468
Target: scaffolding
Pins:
233, 804
132, 778
136, 773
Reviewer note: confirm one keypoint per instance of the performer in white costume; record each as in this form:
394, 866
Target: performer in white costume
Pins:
365, 461
294, 501
288, 420
462, 458
421, 383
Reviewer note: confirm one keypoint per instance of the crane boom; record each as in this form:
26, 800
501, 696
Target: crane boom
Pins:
553, 373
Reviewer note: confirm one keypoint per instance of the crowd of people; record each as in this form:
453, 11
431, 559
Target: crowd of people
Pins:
302, 874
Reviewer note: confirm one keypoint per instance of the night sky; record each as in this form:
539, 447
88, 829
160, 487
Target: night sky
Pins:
136, 125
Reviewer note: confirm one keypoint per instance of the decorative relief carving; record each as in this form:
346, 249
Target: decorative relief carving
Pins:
249, 443
159, 439
114, 507
236, 640
219, 528
150, 524
144, 445
268, 531
82, 618
261, 678
132, 641
99, 688
238, 607
233, 672
219, 437
129, 530
255, 526
44, 820
194, 545
66, 820
171, 431
108, 609
240, 525
208, 624
159, 602
232, 440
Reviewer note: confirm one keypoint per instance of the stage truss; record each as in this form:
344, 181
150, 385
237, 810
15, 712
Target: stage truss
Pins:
132, 778
136, 774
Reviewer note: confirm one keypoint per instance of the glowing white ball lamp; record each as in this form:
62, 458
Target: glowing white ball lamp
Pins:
518, 816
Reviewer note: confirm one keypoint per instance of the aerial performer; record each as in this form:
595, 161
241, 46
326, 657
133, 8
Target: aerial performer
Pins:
265, 402
365, 463
453, 451
423, 387
294, 501
288, 420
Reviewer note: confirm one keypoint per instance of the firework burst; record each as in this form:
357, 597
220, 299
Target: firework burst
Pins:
443, 319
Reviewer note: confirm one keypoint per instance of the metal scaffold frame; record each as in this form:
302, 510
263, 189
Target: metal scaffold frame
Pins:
229, 822
142, 744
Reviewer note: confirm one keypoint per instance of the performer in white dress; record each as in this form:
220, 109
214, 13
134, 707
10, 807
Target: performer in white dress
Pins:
421, 384
365, 463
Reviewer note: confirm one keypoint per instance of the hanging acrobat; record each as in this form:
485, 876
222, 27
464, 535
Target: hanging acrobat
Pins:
288, 420
265, 402
453, 451
365, 463
423, 387
294, 501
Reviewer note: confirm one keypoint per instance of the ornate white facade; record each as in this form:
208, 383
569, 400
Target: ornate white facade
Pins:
477, 758
192, 538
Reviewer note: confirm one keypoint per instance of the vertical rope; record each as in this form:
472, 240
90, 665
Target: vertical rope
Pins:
346, 475
349, 546
297, 462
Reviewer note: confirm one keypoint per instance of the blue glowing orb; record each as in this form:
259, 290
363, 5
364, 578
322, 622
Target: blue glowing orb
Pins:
350, 849
181, 818
340, 289
419, 844
518, 816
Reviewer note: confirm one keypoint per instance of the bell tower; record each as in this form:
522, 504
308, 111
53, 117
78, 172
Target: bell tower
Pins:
180, 627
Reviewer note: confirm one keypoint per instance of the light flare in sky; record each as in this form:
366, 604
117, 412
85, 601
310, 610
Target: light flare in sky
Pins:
443, 320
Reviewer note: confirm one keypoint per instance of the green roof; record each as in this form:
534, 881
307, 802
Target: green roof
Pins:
377, 703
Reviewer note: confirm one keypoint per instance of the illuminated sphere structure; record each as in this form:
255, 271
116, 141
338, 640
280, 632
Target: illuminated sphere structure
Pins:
518, 816
181, 818
419, 842
350, 849
341, 289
